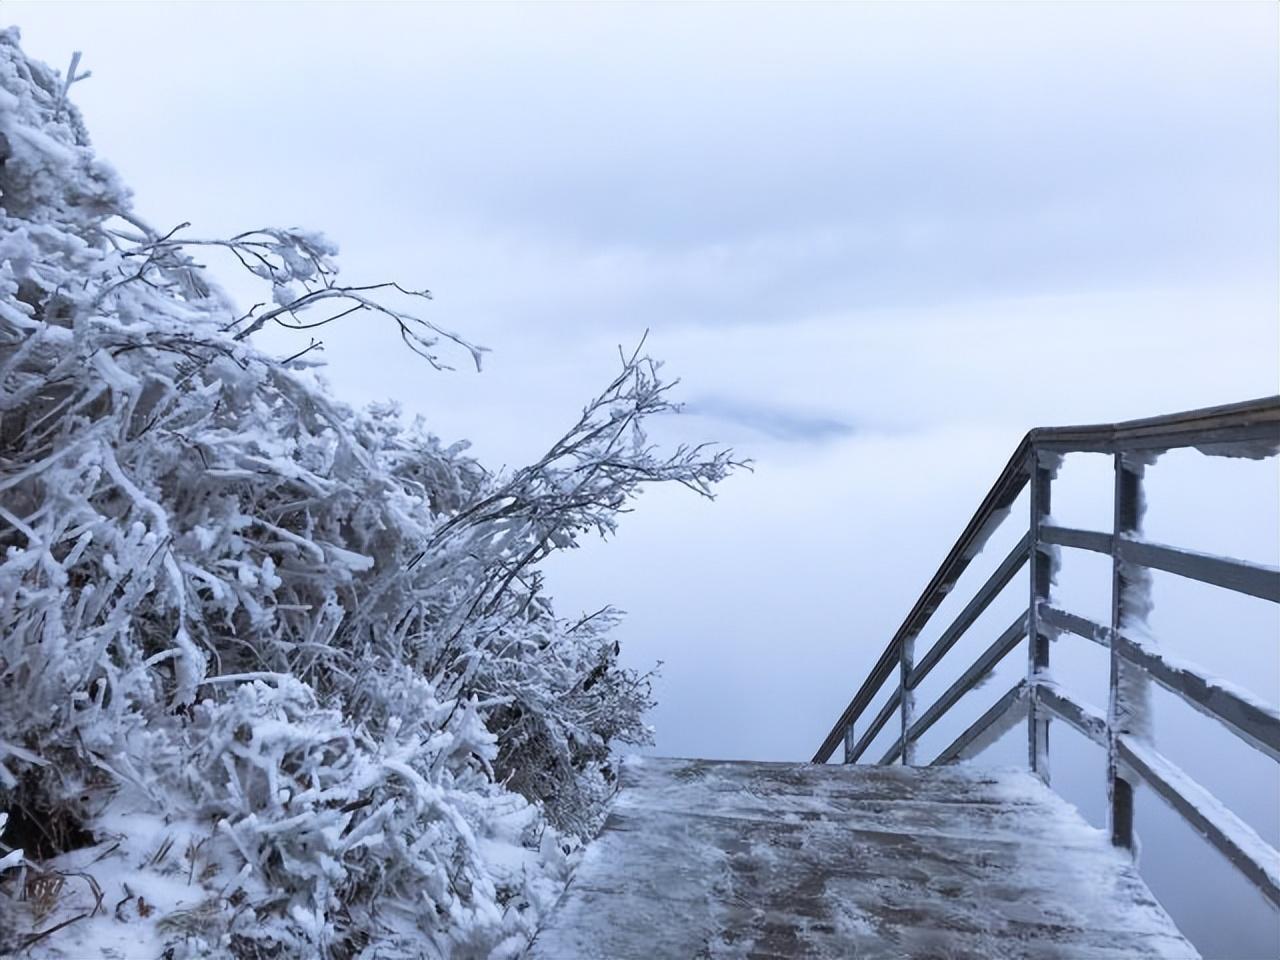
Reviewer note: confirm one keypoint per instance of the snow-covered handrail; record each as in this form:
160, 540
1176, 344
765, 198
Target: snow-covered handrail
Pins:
1250, 429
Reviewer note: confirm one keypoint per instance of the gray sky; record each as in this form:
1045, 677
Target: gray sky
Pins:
877, 242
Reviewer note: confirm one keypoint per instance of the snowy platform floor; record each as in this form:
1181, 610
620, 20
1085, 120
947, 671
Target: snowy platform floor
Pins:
703, 859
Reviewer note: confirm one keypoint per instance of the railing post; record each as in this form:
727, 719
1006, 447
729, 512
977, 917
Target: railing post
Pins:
1126, 706
906, 661
849, 741
1040, 563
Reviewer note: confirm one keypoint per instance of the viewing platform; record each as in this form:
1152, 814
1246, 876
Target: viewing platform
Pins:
899, 859
711, 859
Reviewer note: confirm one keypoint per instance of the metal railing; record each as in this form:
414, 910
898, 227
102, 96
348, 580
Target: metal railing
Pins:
1250, 429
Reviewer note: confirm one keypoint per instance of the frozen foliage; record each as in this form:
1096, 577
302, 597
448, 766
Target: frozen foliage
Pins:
277, 678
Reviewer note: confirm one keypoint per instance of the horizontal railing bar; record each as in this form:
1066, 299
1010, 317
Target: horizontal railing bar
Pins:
1074, 623
981, 600
1256, 723
1241, 576
995, 505
1235, 839
1083, 539
1086, 718
1000, 718
890, 707
1250, 421
980, 668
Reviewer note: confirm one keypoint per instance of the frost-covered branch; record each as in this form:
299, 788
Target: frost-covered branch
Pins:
296, 654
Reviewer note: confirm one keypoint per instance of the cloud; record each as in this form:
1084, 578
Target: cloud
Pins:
777, 423
707, 166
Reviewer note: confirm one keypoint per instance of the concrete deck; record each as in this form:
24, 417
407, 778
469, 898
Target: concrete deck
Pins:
706, 859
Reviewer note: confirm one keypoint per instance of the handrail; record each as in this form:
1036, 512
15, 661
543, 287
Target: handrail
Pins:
1250, 429
1221, 426
985, 519
1252, 424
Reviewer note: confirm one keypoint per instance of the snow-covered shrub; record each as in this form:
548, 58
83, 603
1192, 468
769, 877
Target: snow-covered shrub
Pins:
277, 676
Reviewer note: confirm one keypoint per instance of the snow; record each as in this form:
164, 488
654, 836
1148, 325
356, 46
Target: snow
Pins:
1246, 844
1231, 689
984, 533
1261, 449
1138, 460
1051, 461
730, 859
276, 676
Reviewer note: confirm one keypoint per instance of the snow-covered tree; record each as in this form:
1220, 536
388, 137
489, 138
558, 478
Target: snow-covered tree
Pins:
277, 677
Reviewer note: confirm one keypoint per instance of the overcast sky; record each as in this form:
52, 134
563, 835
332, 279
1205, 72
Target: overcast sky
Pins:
877, 242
